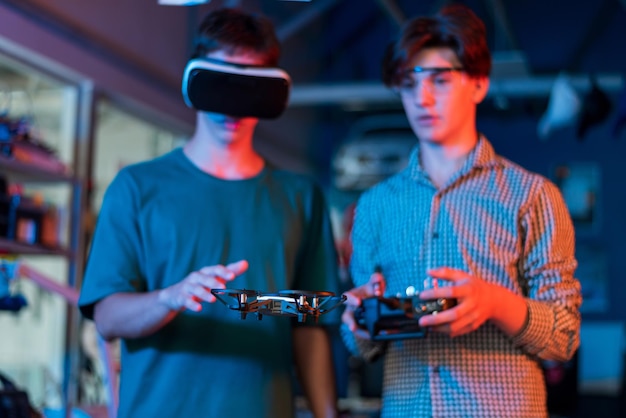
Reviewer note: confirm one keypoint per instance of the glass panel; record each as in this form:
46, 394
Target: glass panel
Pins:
37, 137
45, 107
123, 139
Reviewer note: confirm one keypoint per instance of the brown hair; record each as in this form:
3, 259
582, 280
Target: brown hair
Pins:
456, 27
233, 30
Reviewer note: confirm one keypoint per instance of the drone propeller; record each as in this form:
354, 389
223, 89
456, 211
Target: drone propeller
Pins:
314, 301
241, 296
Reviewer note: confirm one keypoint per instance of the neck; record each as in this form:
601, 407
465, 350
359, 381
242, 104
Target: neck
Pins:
225, 161
442, 161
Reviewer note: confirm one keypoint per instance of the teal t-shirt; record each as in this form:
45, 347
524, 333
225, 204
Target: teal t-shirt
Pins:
164, 218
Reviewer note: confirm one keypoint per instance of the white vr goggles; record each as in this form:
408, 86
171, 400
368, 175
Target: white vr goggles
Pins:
234, 89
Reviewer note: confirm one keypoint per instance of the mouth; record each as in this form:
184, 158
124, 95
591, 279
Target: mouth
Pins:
232, 123
426, 120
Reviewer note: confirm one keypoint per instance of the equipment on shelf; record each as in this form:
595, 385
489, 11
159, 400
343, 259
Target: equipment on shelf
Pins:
20, 142
27, 219
15, 402
294, 303
10, 300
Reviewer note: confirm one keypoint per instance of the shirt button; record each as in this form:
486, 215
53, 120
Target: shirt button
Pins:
435, 234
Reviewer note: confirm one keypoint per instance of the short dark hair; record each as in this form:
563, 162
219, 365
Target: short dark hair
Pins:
456, 27
233, 30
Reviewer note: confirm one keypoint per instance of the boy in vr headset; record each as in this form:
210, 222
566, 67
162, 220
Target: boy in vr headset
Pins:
212, 215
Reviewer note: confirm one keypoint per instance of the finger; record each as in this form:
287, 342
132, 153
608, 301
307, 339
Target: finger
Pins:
439, 318
468, 323
227, 272
218, 271
448, 324
192, 305
217, 284
449, 274
362, 333
440, 329
206, 280
458, 290
461, 331
378, 284
442, 292
457, 328
201, 293
238, 267
352, 299
348, 318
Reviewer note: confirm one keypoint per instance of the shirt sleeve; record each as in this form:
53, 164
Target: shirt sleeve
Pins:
114, 259
362, 263
364, 237
552, 331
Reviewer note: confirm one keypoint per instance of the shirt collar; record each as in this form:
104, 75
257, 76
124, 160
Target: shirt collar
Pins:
482, 156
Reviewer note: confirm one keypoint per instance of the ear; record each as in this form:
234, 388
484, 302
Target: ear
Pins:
481, 87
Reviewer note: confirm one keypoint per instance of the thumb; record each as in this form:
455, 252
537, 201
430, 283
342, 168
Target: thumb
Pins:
348, 318
378, 284
352, 299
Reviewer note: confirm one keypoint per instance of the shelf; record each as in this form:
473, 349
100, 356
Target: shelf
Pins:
18, 248
62, 104
24, 171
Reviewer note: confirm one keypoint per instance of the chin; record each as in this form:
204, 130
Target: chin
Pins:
430, 136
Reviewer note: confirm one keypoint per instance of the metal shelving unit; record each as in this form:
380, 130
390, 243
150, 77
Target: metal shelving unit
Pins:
69, 111
27, 172
12, 247
71, 253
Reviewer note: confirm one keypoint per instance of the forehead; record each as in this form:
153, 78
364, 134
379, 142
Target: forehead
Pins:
239, 56
435, 57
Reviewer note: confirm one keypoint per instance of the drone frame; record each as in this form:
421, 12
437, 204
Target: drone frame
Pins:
293, 303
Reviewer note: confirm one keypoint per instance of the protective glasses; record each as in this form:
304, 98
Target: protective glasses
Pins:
437, 80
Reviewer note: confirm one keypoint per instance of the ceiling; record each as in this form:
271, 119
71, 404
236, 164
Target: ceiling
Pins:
333, 48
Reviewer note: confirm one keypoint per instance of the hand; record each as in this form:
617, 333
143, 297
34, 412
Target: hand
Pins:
196, 287
374, 287
476, 300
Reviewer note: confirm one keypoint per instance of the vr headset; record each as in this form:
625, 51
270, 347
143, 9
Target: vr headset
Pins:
235, 90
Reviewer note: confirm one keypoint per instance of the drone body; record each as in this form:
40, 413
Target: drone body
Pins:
301, 304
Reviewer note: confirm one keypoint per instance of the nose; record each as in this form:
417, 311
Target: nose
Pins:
423, 94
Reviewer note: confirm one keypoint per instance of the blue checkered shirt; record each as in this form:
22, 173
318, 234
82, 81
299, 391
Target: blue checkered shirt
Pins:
496, 221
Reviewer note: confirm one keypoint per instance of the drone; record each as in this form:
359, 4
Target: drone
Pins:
300, 304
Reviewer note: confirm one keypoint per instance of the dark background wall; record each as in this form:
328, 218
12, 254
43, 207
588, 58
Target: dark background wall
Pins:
576, 38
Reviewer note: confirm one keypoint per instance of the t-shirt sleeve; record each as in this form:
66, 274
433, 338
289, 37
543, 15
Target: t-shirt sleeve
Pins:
317, 268
114, 259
